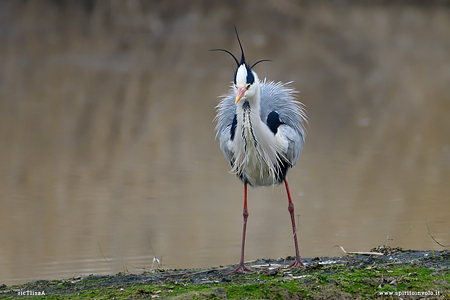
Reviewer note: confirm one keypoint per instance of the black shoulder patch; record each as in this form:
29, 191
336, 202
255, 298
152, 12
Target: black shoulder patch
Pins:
273, 121
233, 127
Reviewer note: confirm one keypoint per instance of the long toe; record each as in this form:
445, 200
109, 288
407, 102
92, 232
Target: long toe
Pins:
297, 263
240, 269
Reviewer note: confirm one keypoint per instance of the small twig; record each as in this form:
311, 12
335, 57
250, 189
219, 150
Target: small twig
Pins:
155, 258
175, 275
359, 253
158, 263
429, 232
207, 271
193, 273
103, 254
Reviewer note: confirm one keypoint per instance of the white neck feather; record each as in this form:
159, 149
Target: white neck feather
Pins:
255, 145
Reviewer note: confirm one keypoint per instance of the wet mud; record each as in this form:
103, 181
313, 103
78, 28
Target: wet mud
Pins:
391, 273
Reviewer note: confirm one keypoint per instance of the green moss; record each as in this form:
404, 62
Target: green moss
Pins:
372, 281
313, 282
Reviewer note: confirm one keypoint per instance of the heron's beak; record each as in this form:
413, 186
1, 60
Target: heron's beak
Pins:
240, 94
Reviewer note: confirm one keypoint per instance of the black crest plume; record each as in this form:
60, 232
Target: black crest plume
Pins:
242, 54
240, 45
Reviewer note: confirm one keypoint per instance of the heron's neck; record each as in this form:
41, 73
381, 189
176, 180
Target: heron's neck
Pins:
249, 120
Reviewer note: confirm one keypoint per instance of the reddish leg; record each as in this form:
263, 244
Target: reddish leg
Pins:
241, 268
297, 262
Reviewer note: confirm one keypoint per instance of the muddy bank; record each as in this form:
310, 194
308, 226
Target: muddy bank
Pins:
400, 274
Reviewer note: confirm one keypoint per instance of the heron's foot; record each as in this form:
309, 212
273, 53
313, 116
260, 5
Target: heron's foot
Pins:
240, 269
296, 264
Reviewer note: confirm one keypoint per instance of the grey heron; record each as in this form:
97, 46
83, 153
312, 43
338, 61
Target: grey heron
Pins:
260, 127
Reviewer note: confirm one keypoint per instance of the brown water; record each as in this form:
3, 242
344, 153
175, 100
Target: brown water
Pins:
107, 151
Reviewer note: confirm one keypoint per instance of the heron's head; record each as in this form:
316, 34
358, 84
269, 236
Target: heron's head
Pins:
246, 81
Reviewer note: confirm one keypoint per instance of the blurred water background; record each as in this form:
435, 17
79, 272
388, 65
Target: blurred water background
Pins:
107, 149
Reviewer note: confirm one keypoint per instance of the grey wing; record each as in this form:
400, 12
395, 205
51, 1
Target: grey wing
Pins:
226, 144
280, 98
294, 143
226, 110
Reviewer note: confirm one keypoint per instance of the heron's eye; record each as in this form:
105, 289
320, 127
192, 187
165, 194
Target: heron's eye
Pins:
248, 86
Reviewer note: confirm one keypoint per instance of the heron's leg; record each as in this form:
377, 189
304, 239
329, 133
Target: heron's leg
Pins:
297, 262
241, 268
